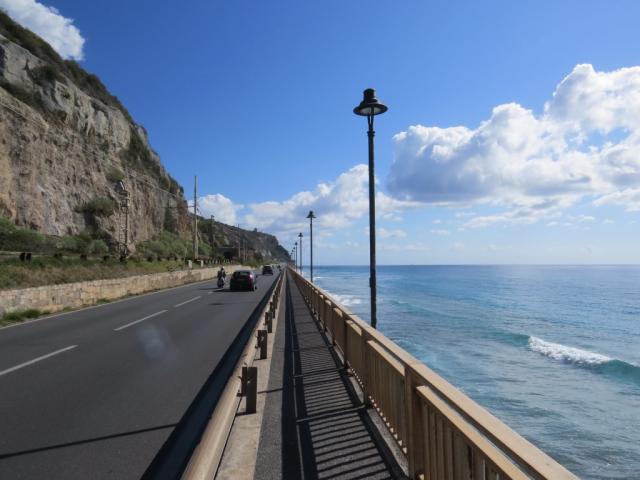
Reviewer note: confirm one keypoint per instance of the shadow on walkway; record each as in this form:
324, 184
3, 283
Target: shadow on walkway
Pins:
326, 432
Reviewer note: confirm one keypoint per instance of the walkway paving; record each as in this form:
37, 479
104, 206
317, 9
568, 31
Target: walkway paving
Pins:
314, 424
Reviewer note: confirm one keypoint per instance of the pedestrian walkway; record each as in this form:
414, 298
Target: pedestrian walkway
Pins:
314, 424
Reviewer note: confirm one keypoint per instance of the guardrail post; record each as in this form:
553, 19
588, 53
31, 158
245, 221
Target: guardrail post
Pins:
262, 343
250, 382
268, 321
414, 423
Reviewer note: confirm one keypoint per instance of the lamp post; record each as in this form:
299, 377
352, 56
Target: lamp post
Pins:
295, 255
370, 107
311, 216
300, 243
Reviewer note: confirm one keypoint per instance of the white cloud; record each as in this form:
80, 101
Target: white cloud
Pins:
608, 221
629, 198
441, 232
586, 142
336, 204
49, 24
398, 233
221, 207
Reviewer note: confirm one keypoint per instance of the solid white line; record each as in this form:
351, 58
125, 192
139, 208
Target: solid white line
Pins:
30, 362
138, 321
184, 303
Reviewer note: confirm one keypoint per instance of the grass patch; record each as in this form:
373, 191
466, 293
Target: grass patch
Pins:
102, 301
52, 271
20, 316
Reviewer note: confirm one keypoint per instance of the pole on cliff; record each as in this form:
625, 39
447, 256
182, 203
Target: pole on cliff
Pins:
195, 218
211, 239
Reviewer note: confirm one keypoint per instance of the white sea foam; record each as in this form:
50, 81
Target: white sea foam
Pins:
563, 353
345, 300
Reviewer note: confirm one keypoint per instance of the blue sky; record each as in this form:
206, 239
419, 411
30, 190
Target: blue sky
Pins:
256, 99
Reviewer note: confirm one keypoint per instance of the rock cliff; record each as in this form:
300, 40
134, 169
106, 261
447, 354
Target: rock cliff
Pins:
66, 142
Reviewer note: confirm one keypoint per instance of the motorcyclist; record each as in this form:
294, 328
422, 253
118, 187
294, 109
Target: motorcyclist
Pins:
222, 274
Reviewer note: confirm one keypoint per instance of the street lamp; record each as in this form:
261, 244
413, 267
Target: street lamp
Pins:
370, 107
295, 254
300, 237
311, 216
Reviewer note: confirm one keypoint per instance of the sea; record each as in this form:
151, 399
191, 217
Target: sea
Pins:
552, 351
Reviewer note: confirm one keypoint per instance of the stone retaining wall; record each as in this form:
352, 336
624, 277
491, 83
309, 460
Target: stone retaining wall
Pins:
53, 298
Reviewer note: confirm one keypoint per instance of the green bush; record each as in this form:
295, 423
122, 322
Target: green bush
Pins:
163, 246
17, 239
99, 247
114, 174
99, 207
45, 74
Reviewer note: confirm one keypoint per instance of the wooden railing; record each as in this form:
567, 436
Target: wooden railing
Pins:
444, 434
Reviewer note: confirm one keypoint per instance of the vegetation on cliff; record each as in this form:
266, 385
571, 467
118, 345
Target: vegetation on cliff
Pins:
57, 67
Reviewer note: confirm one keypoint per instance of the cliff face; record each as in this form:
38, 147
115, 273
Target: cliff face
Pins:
259, 245
65, 143
61, 149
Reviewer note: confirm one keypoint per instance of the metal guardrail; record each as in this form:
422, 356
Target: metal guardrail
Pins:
207, 456
443, 433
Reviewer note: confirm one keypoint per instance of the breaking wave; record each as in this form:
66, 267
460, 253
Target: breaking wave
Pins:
597, 362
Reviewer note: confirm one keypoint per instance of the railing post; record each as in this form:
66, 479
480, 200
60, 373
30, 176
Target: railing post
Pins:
320, 311
327, 313
414, 423
366, 370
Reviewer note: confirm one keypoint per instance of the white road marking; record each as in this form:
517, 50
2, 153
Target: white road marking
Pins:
138, 321
184, 303
30, 362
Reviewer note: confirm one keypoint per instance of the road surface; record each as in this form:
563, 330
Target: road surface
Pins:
96, 393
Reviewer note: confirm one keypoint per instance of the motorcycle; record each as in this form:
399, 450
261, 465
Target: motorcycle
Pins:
220, 282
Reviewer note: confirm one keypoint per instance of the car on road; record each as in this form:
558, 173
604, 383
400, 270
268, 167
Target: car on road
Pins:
243, 280
267, 270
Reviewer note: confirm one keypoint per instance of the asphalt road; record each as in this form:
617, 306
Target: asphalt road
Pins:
97, 393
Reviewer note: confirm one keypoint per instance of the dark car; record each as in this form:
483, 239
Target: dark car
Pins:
267, 270
243, 280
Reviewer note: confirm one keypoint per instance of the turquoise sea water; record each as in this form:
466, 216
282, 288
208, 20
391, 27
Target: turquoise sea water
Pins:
553, 351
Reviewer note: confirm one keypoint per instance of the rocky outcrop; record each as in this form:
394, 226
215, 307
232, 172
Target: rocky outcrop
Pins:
232, 240
65, 143
61, 149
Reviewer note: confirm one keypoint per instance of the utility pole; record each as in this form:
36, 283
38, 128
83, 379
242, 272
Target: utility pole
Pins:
126, 223
211, 234
195, 217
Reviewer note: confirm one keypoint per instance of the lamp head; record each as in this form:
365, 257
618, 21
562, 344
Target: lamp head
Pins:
311, 214
370, 105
